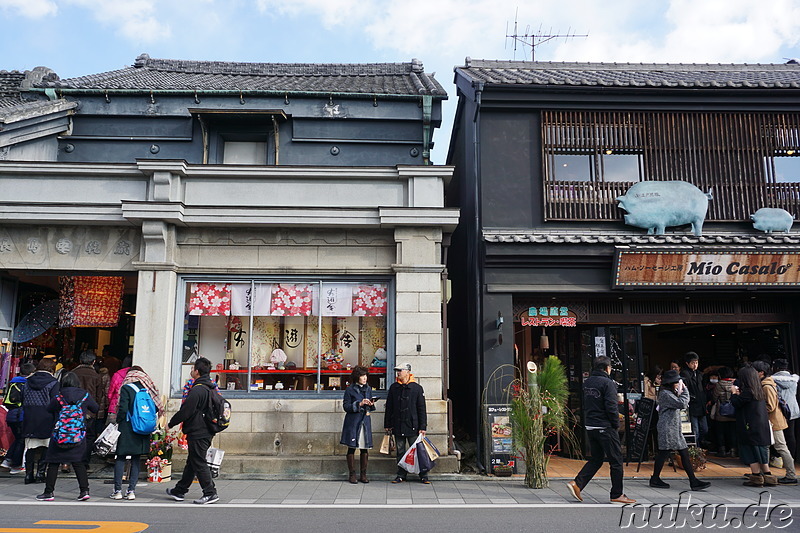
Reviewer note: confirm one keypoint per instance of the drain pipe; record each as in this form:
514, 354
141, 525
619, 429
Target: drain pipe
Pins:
476, 269
446, 350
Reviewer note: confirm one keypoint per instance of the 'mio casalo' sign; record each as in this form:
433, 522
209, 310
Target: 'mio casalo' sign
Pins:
681, 269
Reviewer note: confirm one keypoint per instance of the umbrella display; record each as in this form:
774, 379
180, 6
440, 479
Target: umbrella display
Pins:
37, 321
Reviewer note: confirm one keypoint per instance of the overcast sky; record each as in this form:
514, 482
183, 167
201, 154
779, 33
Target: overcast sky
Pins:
78, 37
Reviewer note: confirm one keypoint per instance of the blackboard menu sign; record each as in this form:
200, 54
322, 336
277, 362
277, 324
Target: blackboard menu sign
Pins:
645, 409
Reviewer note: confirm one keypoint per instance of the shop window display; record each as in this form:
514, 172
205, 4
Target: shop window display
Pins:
286, 336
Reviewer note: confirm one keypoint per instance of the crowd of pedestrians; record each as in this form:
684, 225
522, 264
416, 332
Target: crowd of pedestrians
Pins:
745, 416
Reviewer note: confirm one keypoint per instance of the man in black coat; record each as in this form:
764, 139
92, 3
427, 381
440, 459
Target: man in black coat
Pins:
406, 416
601, 419
693, 379
198, 435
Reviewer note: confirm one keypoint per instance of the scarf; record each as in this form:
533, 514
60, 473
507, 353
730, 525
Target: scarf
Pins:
137, 375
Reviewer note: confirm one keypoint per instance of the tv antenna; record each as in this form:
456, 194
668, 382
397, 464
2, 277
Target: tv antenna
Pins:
537, 38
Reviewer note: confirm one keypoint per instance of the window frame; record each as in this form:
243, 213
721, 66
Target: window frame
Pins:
183, 285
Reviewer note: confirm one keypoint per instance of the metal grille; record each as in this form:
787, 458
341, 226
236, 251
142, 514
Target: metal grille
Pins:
606, 307
731, 154
755, 307
655, 307
710, 307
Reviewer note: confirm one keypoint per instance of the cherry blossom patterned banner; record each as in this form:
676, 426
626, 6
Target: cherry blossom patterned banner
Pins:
291, 300
210, 299
369, 300
90, 301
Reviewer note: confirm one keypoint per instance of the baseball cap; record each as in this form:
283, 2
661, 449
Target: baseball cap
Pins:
405, 366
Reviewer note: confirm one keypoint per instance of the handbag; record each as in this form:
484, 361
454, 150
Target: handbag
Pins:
106, 442
727, 409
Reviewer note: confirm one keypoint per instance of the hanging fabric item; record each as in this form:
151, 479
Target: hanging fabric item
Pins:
244, 297
336, 300
369, 300
90, 301
210, 299
291, 300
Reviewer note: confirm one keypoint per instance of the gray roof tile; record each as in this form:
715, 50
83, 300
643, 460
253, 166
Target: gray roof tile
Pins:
769, 76
399, 79
628, 238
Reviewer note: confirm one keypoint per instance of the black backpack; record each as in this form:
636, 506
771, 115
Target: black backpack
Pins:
217, 413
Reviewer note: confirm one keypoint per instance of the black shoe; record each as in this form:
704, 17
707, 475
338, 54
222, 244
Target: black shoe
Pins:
787, 481
84, 496
175, 496
657, 483
700, 485
29, 480
398, 479
205, 500
424, 480
45, 497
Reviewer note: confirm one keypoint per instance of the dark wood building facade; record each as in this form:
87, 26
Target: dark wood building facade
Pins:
543, 151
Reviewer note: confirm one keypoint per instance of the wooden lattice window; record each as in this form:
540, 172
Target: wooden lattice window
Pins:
749, 160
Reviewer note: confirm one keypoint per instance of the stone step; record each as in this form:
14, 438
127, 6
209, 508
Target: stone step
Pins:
308, 466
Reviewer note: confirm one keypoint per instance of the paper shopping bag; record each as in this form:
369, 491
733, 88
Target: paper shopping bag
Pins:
423, 460
385, 445
433, 451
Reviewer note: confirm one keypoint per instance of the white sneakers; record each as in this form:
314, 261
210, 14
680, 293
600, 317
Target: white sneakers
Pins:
117, 495
130, 495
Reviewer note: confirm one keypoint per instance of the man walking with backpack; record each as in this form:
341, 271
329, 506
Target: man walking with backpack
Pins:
198, 433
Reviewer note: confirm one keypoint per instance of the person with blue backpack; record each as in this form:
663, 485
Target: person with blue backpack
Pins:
138, 410
68, 444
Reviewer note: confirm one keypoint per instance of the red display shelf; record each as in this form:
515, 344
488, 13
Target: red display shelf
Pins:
372, 370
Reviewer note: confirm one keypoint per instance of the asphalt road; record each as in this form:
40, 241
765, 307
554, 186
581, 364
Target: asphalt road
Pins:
173, 518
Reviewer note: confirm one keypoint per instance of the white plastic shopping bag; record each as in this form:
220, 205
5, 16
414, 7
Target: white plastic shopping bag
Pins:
106, 442
214, 459
409, 460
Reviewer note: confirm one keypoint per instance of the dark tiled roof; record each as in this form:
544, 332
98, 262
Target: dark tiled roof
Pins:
9, 88
770, 76
403, 79
571, 237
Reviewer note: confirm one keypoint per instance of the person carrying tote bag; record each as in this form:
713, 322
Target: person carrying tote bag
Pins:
358, 403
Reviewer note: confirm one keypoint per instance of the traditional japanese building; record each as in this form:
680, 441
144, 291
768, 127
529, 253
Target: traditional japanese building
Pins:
543, 262
283, 220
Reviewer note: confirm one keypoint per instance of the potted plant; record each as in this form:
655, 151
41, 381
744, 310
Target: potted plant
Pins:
538, 412
503, 470
159, 462
697, 456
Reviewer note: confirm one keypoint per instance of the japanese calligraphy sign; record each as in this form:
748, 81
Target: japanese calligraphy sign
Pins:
706, 269
549, 316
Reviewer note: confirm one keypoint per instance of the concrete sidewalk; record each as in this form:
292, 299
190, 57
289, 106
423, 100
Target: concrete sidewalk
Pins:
446, 490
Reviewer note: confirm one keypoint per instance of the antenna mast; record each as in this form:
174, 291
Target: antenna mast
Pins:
540, 37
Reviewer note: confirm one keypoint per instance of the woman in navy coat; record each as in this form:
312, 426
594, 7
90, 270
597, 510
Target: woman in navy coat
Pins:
357, 427
70, 393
